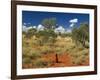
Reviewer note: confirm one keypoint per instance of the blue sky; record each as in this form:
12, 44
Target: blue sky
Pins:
34, 18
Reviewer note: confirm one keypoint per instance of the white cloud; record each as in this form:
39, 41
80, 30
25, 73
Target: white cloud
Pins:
25, 28
68, 30
72, 24
40, 27
30, 27
24, 23
34, 27
59, 29
75, 20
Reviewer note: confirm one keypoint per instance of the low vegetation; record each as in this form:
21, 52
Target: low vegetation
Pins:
46, 48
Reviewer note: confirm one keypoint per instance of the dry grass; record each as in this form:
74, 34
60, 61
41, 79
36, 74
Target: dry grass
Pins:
33, 53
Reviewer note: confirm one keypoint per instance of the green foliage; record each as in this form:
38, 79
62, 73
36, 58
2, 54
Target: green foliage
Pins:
46, 49
79, 60
26, 51
79, 55
66, 35
81, 34
23, 32
30, 33
49, 23
75, 34
36, 44
59, 50
26, 60
30, 53
46, 36
35, 55
41, 63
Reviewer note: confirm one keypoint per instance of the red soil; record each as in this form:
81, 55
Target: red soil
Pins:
64, 60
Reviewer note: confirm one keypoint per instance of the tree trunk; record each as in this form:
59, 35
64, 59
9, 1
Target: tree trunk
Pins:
83, 42
56, 58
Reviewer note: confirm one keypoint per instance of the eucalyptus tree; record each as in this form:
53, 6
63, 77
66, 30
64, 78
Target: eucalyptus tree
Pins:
81, 34
49, 23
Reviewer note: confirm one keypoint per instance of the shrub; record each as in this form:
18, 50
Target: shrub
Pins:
40, 63
46, 49
34, 55
79, 60
31, 53
59, 50
86, 44
26, 60
25, 51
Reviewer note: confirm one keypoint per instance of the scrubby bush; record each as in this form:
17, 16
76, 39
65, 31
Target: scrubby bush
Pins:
46, 49
26, 60
34, 55
40, 63
81, 34
80, 57
58, 50
80, 60
31, 53
25, 51
30, 33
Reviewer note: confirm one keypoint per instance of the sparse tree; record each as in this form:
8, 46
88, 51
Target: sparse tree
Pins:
49, 23
81, 34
